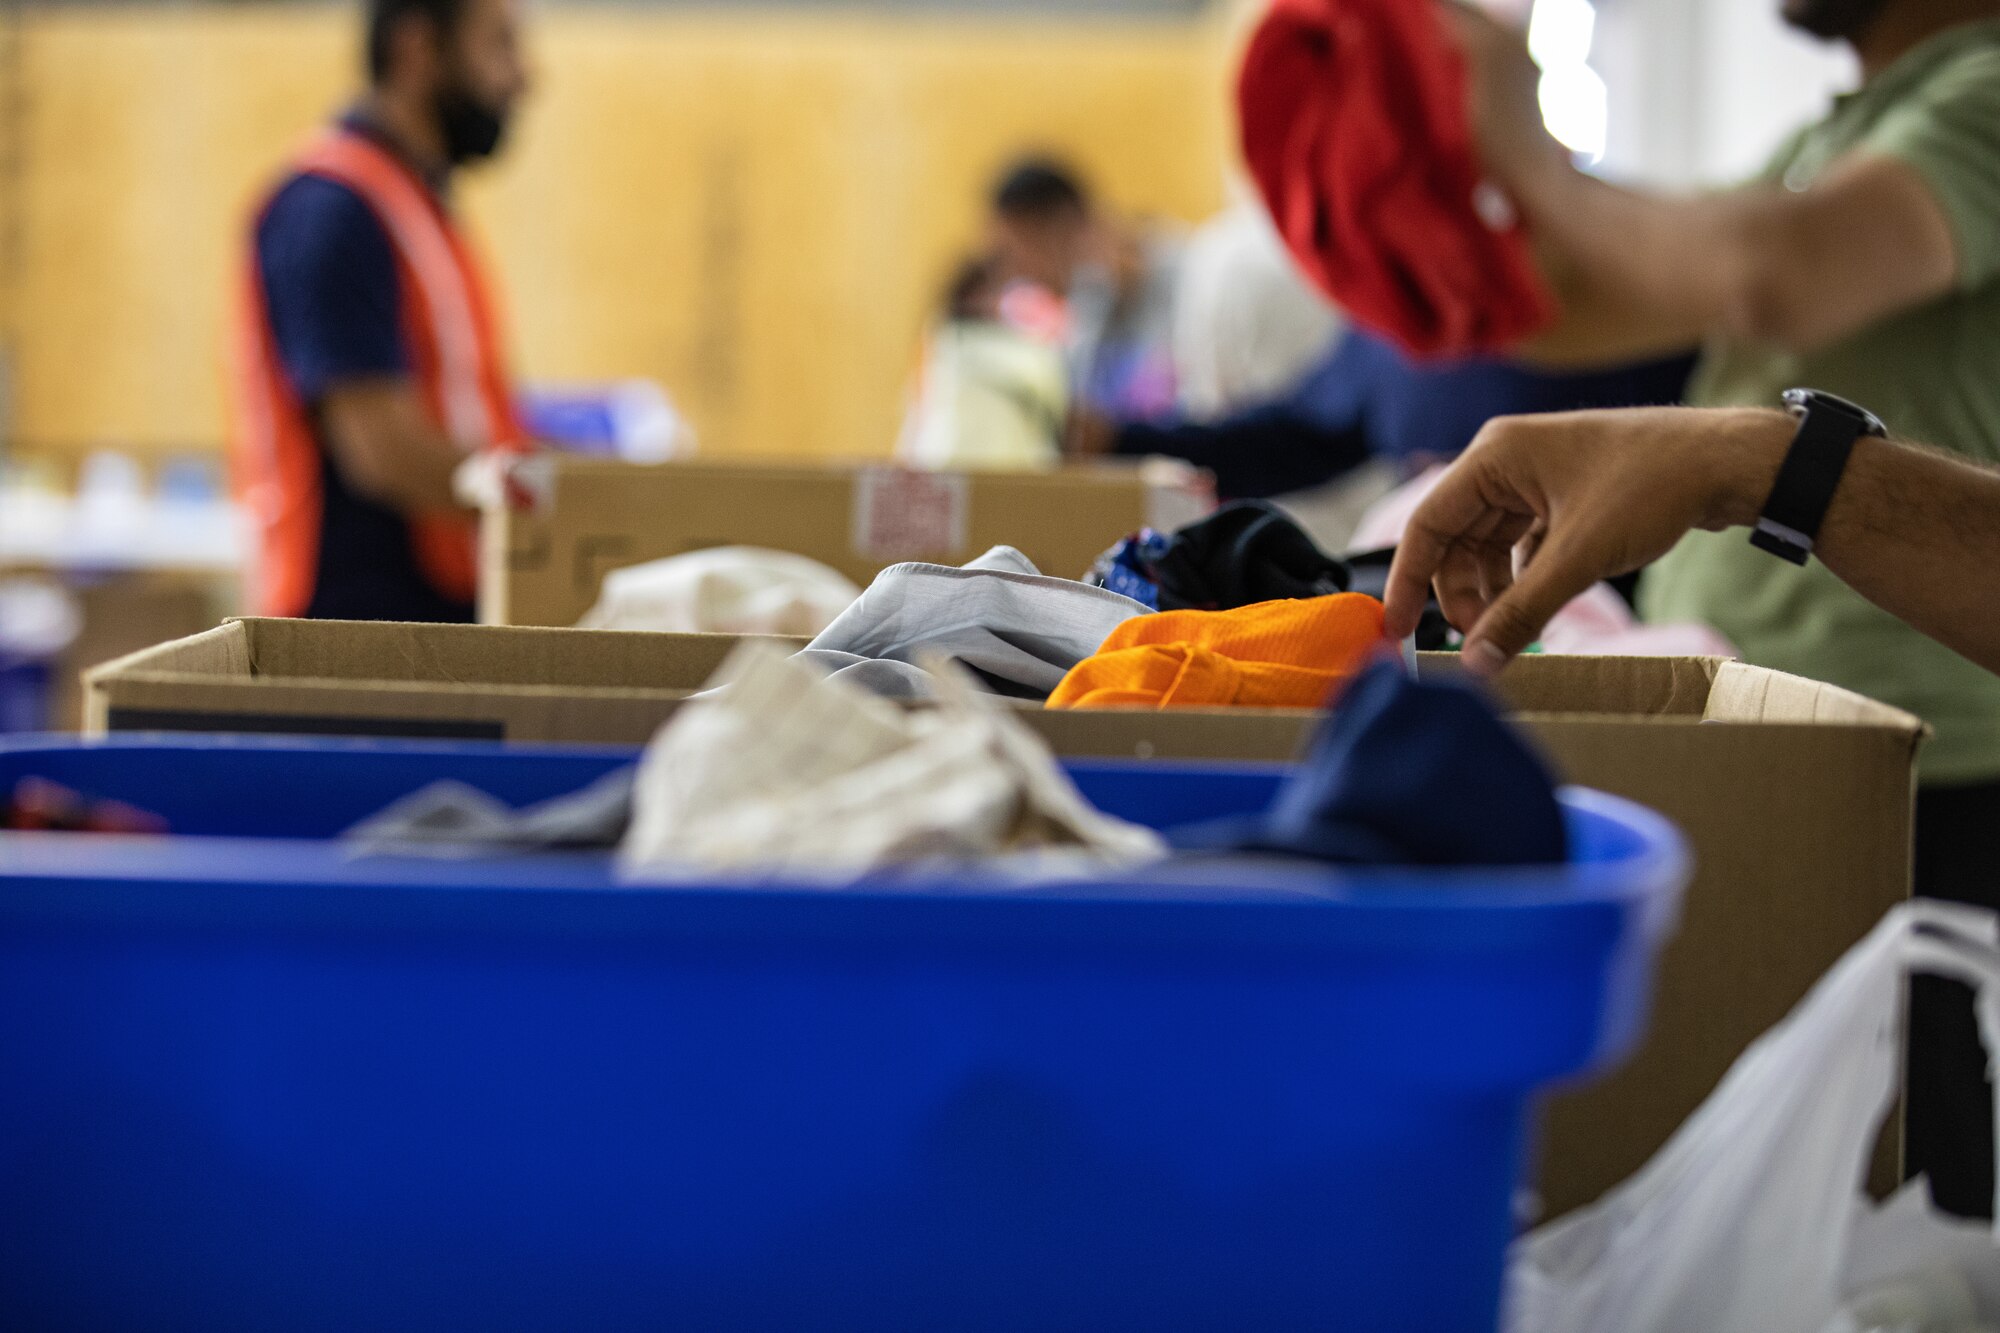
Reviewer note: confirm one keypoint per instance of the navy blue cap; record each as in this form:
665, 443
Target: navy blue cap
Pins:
1406, 772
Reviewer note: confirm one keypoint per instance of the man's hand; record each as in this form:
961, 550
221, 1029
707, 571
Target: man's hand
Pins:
506, 479
1579, 497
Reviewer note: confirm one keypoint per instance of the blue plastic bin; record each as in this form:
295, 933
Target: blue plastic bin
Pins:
27, 694
247, 1083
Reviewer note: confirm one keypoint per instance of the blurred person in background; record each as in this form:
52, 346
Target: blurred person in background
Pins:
1864, 262
990, 395
1364, 399
369, 358
1110, 283
1246, 323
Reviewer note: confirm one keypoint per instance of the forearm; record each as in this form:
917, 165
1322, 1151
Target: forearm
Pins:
421, 480
1638, 275
1796, 270
387, 448
1917, 532
1914, 530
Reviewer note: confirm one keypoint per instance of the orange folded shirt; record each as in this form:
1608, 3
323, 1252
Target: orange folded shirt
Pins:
1289, 654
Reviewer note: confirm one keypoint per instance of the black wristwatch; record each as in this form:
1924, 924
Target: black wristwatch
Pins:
1828, 428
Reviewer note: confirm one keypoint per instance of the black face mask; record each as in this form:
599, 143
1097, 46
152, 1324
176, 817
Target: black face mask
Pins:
1833, 20
471, 129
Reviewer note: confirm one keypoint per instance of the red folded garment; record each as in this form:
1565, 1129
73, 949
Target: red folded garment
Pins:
1355, 129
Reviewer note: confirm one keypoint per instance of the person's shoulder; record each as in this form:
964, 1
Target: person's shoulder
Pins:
312, 222
305, 202
1974, 66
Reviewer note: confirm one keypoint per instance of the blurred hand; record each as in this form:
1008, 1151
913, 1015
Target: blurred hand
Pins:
1579, 497
1090, 433
505, 479
1505, 98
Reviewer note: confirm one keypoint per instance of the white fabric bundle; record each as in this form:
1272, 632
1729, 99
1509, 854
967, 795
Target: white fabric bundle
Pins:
783, 771
723, 590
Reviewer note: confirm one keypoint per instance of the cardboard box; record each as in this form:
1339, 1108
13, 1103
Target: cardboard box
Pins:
1796, 796
364, 678
545, 568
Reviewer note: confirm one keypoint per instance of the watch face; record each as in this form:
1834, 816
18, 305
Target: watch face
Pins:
1802, 400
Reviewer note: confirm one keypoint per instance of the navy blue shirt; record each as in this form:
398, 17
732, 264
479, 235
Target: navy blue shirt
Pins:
1367, 400
330, 282
335, 305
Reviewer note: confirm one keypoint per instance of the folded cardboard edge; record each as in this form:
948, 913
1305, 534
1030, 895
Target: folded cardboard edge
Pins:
1550, 683
1755, 694
170, 702
478, 656
126, 685
222, 651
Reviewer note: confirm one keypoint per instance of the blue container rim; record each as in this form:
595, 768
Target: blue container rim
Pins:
1646, 872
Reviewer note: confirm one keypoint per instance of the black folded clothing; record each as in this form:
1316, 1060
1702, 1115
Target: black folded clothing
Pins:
1243, 553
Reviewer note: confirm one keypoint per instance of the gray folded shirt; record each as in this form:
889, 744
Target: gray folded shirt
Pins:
1018, 629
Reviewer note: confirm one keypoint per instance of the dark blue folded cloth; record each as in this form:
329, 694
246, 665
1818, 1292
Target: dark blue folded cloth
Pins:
1406, 773
1241, 554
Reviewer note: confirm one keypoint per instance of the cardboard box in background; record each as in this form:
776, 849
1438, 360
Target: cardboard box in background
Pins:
122, 613
1796, 796
545, 568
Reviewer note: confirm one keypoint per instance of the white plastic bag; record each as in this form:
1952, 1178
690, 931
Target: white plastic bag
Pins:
1752, 1217
1913, 1270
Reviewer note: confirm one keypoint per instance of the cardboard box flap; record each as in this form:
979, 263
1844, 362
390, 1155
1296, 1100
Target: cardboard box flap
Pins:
222, 651
472, 655
1744, 693
1628, 686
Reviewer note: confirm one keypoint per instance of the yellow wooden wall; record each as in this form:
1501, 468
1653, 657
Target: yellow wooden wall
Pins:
755, 211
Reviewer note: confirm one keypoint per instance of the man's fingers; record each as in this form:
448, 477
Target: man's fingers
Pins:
1496, 570
1455, 511
1458, 589
1517, 618
1419, 556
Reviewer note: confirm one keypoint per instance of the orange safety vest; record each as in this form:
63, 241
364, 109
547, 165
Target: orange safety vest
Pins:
451, 334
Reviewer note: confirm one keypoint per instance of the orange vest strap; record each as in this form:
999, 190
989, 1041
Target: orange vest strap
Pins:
456, 359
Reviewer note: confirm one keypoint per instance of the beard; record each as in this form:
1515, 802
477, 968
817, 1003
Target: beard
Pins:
1833, 20
471, 129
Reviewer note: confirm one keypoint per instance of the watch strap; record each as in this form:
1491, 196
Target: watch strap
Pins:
1809, 476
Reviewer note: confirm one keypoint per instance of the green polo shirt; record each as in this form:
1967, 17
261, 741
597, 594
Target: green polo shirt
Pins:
1933, 373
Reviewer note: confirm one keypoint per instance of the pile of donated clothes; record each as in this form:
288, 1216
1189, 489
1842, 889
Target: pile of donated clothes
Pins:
784, 769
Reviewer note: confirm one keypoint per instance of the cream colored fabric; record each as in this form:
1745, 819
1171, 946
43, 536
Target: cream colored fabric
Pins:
783, 771
724, 590
990, 398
